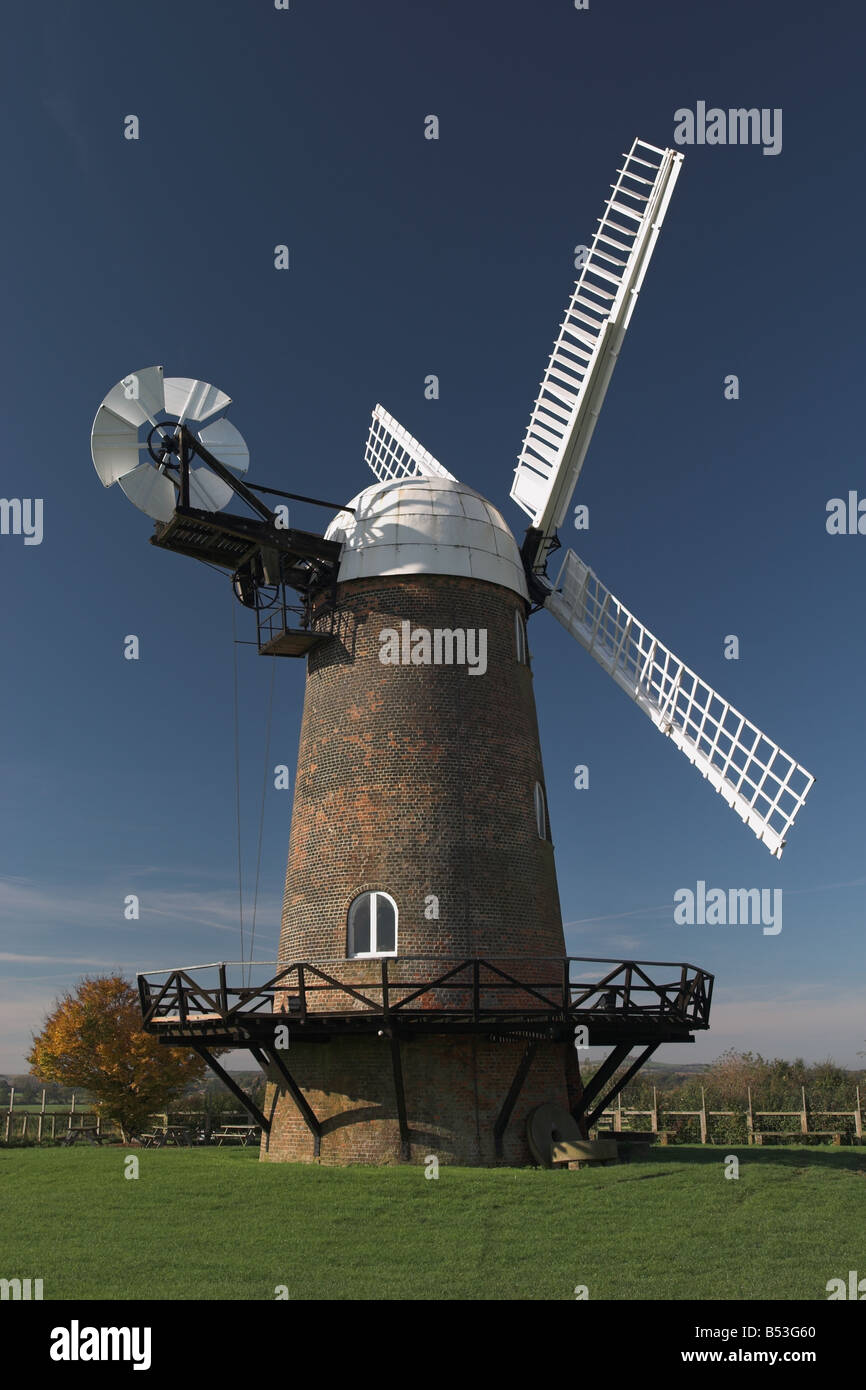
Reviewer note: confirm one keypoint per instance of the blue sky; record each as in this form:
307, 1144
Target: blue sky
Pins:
453, 257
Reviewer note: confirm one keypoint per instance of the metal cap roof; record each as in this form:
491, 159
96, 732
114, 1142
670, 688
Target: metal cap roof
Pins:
426, 526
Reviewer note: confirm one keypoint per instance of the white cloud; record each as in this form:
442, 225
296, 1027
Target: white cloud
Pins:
19, 1019
11, 958
25, 903
791, 1025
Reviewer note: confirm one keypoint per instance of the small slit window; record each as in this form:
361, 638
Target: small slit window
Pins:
520, 639
541, 823
372, 926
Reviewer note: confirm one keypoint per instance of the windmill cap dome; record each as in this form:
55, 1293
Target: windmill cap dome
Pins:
426, 526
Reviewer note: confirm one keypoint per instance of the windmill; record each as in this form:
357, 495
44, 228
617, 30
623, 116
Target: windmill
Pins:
423, 1000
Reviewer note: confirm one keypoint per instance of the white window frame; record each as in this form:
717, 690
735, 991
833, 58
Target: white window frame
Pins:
542, 819
373, 894
520, 638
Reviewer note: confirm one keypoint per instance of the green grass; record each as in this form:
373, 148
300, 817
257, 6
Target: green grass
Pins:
216, 1223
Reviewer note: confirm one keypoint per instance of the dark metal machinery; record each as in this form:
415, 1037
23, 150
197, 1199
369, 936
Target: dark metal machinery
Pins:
265, 560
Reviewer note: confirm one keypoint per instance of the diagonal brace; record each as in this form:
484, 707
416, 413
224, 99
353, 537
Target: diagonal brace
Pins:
229, 1081
511, 1099
603, 1075
312, 1123
590, 1118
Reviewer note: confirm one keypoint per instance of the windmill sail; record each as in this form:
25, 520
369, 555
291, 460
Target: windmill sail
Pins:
590, 337
392, 452
763, 784
121, 456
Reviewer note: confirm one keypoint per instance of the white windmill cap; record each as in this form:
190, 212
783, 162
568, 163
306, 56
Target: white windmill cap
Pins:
426, 526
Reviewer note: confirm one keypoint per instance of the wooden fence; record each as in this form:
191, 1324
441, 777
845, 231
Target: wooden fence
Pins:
755, 1133
43, 1125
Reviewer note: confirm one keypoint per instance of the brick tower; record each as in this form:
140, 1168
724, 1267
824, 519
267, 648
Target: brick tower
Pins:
420, 832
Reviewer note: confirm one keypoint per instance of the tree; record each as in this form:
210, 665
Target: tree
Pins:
94, 1040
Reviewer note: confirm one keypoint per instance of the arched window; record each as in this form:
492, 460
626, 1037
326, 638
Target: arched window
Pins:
520, 638
372, 926
541, 821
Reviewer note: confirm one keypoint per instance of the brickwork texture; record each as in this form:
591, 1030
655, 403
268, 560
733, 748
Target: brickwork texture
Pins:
419, 780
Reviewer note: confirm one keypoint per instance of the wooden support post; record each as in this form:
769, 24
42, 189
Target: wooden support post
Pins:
703, 1117
400, 1096
858, 1118
143, 997
53, 1126
302, 992
72, 1108
617, 1115
223, 991
655, 1112
386, 1003
750, 1121
804, 1113
24, 1120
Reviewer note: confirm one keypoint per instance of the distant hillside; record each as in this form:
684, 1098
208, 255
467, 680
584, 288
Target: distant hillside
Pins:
667, 1075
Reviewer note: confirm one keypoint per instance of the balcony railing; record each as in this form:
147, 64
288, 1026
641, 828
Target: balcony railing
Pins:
478, 990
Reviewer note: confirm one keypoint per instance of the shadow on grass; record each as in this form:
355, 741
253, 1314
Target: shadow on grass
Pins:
852, 1160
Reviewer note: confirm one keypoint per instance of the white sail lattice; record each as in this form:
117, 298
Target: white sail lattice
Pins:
762, 783
392, 452
590, 337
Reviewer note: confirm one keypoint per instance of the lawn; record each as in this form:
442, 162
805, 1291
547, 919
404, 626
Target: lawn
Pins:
216, 1223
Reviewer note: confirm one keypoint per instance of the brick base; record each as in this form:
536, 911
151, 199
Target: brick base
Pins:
454, 1088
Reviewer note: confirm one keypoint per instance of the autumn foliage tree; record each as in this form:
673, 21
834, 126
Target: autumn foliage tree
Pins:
94, 1040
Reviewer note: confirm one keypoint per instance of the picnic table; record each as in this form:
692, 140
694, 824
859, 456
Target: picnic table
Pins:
166, 1134
245, 1134
82, 1132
